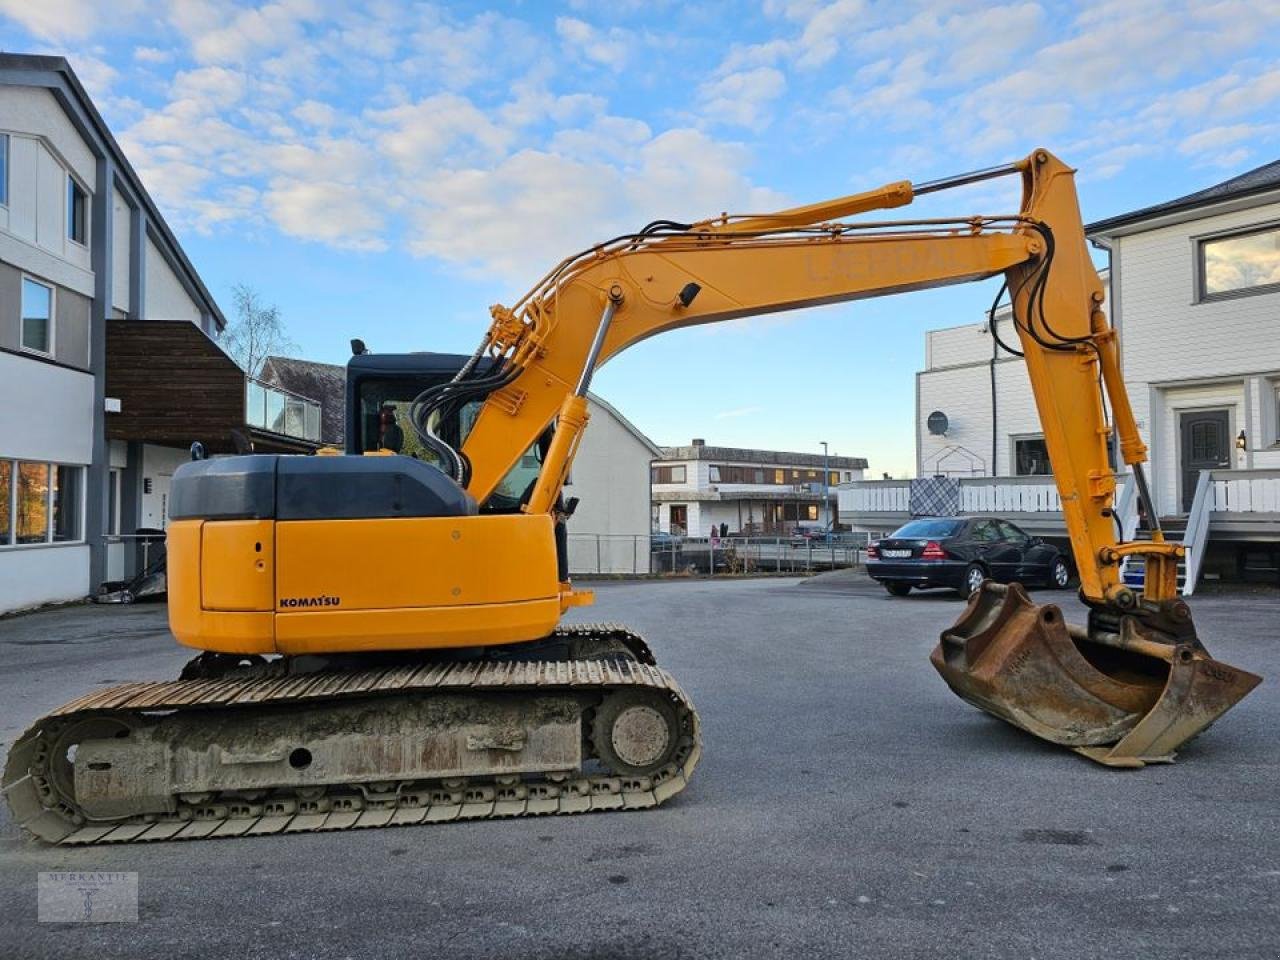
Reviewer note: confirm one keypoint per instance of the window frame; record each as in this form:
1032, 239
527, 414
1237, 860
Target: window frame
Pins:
5, 155
9, 537
1198, 244
74, 186
53, 314
81, 502
671, 468
1014, 440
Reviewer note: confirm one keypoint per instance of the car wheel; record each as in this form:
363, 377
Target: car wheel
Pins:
972, 581
898, 589
1059, 574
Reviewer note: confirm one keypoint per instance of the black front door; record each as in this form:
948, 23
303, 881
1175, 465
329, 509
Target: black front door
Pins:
1206, 445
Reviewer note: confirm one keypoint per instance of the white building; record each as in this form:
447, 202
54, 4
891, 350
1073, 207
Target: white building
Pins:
1195, 294
86, 265
609, 531
747, 491
975, 416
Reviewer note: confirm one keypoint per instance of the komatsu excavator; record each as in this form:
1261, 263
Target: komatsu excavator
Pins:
379, 633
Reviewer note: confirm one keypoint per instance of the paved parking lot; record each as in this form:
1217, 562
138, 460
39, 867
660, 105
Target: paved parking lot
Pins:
846, 805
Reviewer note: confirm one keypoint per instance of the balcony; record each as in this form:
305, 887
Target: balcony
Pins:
175, 386
280, 411
880, 506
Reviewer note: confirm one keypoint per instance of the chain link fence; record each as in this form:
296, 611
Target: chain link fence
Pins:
638, 555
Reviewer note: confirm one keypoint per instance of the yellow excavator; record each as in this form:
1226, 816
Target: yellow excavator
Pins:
380, 633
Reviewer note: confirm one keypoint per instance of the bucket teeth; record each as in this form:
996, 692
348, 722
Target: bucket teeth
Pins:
1121, 700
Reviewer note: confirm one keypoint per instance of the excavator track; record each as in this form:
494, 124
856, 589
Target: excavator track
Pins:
494, 720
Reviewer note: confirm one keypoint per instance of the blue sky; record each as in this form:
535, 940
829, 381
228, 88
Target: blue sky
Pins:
388, 169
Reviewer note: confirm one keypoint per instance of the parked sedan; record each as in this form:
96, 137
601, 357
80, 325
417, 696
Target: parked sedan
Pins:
961, 552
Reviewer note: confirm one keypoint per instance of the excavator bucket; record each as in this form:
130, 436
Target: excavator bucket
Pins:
1119, 698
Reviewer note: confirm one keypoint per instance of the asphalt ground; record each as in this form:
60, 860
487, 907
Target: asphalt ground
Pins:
847, 804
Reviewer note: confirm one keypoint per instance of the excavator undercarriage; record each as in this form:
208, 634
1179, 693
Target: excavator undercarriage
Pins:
244, 747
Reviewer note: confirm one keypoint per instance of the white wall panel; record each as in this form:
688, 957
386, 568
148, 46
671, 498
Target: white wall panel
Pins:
166, 297
31, 576
48, 411
121, 246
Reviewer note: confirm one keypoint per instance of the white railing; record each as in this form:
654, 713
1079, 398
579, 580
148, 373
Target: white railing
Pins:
1009, 495
876, 496
1197, 533
1245, 491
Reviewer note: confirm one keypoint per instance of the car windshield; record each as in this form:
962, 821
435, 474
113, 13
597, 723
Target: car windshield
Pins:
928, 528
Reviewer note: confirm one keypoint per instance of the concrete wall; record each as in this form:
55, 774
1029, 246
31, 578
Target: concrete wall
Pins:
167, 298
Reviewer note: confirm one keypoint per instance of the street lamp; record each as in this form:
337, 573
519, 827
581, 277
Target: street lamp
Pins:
826, 494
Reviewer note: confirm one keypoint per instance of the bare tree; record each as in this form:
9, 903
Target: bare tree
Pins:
256, 332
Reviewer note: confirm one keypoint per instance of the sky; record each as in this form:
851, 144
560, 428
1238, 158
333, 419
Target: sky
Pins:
387, 170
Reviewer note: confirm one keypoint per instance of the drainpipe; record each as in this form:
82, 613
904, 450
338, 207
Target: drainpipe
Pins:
995, 427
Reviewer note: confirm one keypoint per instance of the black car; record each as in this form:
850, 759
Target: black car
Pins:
961, 552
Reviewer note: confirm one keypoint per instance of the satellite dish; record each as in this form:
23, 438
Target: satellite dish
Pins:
938, 423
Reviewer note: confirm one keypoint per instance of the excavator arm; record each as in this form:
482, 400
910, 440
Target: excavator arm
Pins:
596, 305
1126, 690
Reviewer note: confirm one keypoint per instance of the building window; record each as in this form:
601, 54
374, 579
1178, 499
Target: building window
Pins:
33, 503
1244, 263
737, 474
1030, 457
833, 477
4, 169
779, 477
669, 474
678, 523
65, 503
77, 207
6, 502
811, 511
40, 503
37, 316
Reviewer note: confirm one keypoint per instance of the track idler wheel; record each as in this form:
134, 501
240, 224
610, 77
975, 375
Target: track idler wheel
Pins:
636, 732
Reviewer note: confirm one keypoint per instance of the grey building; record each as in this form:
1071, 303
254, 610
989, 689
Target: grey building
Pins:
100, 401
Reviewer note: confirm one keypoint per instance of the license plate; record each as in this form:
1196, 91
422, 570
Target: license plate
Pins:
895, 554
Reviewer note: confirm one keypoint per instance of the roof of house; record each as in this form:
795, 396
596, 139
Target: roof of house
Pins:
55, 74
1261, 179
700, 451
324, 382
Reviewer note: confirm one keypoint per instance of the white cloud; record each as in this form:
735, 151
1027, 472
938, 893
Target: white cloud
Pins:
62, 20
338, 214
744, 98
605, 47
152, 55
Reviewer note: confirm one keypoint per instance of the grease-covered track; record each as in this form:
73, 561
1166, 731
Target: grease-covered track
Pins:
40, 787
